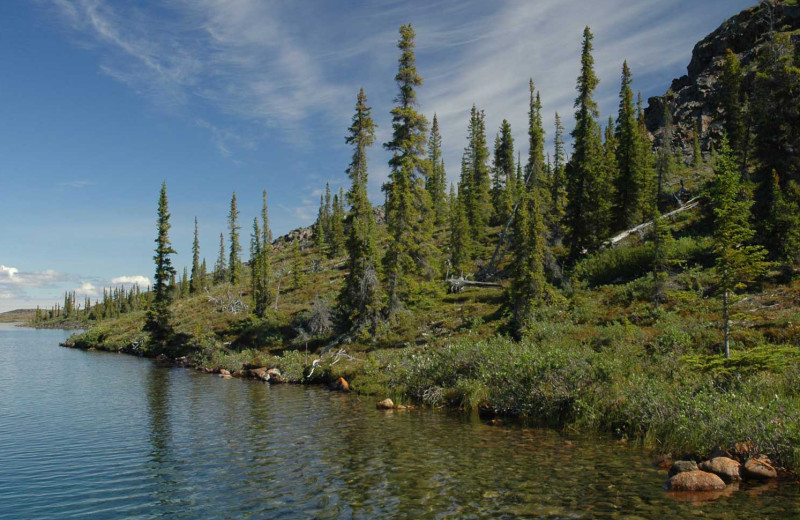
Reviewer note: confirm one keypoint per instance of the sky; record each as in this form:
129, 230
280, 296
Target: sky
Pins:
101, 101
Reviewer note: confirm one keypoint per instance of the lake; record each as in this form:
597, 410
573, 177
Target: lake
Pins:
98, 435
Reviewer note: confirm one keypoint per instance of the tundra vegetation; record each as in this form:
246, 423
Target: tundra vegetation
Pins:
524, 291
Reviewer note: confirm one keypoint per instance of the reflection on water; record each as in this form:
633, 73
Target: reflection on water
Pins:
92, 435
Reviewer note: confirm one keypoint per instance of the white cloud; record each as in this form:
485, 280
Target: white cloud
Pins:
7, 273
142, 281
87, 289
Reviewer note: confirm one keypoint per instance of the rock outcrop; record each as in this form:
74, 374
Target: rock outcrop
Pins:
694, 98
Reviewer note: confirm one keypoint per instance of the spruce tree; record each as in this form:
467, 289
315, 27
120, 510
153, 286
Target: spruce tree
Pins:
460, 236
327, 213
266, 232
436, 182
158, 317
476, 181
220, 268
410, 248
730, 94
195, 283
784, 221
776, 129
337, 238
320, 228
360, 298
234, 262
536, 165
558, 189
504, 183
589, 188
628, 181
528, 286
185, 289
256, 287
737, 260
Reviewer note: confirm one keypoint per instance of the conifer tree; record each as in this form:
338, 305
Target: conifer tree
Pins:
776, 129
536, 165
203, 275
234, 262
504, 182
589, 188
195, 283
158, 317
737, 261
327, 212
558, 190
662, 248
666, 156
298, 269
256, 286
460, 235
528, 287
628, 181
360, 299
436, 182
185, 289
337, 238
266, 232
730, 91
410, 247
220, 267
784, 221
320, 228
476, 181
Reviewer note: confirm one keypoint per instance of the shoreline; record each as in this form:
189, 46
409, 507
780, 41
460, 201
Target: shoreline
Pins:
737, 451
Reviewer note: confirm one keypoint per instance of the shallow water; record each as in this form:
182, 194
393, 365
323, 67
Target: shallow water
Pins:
97, 435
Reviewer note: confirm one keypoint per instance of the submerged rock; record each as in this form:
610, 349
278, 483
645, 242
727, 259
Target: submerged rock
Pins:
725, 468
340, 385
758, 469
259, 373
695, 481
386, 404
682, 466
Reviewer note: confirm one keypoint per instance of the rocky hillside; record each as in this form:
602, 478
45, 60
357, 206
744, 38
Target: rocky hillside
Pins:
693, 98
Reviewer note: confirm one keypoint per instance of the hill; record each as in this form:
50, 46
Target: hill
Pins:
17, 315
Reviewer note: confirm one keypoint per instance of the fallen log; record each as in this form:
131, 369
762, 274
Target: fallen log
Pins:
458, 284
613, 241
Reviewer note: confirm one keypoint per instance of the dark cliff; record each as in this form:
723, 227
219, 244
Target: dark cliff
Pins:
693, 98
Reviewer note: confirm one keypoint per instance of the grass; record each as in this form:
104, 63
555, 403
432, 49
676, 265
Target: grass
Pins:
600, 358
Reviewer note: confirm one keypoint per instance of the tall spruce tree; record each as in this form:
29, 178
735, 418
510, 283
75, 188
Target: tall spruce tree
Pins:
528, 286
337, 238
589, 188
731, 100
436, 183
776, 125
737, 260
558, 188
536, 165
266, 232
360, 298
196, 282
504, 182
320, 228
159, 316
220, 267
628, 182
475, 185
410, 248
460, 235
234, 261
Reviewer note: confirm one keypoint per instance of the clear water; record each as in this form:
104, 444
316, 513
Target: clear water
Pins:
96, 435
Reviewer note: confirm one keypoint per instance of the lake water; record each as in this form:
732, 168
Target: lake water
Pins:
97, 435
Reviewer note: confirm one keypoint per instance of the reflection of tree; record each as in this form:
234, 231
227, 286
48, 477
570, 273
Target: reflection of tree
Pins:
161, 459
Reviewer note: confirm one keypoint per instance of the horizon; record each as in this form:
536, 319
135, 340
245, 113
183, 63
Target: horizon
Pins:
103, 102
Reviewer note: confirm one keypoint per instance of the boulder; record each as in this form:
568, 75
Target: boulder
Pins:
340, 385
758, 469
224, 372
386, 404
725, 468
695, 481
274, 376
682, 466
259, 373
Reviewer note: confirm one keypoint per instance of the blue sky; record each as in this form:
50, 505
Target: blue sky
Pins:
100, 101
